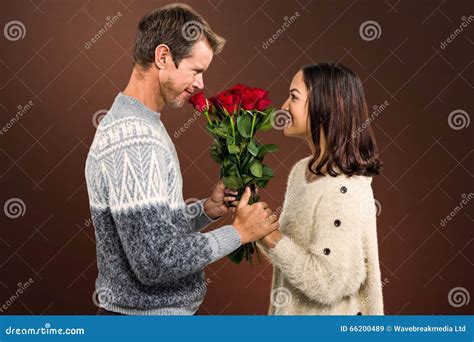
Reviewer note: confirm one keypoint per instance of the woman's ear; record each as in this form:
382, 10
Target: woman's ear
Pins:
162, 56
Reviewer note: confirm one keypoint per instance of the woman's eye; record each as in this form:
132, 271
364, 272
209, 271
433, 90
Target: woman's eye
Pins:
293, 98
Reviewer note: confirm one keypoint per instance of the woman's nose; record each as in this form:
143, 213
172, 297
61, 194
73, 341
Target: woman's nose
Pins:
284, 106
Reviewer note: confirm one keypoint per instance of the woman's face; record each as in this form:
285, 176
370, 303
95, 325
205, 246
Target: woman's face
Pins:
297, 106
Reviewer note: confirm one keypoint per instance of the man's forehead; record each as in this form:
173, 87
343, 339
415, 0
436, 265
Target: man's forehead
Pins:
201, 53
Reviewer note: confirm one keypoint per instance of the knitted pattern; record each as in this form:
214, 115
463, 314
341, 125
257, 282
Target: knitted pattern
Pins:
150, 253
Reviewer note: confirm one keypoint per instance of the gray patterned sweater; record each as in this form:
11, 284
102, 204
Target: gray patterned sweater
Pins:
150, 253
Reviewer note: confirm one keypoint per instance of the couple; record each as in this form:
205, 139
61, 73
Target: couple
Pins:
151, 253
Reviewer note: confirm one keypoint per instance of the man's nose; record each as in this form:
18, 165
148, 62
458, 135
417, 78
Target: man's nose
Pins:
199, 83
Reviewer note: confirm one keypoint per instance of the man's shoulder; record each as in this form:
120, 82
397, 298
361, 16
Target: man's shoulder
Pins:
114, 134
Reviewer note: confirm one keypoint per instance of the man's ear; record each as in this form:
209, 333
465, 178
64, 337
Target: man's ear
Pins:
162, 56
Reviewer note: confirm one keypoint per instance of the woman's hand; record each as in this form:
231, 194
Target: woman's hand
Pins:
271, 240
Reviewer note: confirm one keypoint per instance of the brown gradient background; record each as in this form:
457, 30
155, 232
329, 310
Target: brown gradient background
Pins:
428, 165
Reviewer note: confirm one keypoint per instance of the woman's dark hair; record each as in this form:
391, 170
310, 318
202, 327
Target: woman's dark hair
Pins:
336, 101
179, 27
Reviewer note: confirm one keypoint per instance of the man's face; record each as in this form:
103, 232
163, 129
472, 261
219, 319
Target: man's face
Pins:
178, 84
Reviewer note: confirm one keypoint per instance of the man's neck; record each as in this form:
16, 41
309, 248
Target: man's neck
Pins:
142, 87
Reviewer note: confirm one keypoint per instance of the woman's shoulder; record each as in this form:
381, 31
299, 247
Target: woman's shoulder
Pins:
300, 165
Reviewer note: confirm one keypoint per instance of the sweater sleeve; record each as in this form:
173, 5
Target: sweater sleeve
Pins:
333, 266
198, 217
154, 230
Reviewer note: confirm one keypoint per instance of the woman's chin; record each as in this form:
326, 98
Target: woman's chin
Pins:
289, 132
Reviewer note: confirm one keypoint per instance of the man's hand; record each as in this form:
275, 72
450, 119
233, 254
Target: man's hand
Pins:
215, 205
254, 221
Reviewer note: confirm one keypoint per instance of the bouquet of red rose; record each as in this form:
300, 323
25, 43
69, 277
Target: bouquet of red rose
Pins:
233, 118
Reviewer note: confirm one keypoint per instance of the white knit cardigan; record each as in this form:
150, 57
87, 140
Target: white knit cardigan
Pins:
327, 261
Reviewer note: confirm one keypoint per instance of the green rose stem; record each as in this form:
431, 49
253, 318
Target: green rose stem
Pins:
253, 125
207, 117
233, 129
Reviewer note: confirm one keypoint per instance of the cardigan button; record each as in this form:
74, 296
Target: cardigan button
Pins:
343, 189
337, 223
326, 251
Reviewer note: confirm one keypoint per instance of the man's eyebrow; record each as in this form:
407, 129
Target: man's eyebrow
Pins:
294, 89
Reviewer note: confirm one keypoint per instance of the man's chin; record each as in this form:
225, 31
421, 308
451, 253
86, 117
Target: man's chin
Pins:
177, 103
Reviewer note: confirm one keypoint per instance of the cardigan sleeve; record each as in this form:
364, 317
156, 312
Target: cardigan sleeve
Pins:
198, 217
332, 267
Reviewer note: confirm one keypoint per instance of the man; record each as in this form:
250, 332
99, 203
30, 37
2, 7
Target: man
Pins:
150, 253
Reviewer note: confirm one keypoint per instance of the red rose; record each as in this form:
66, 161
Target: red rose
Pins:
199, 102
228, 101
238, 89
252, 96
262, 104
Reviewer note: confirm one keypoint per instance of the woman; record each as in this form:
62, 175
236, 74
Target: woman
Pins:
325, 254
